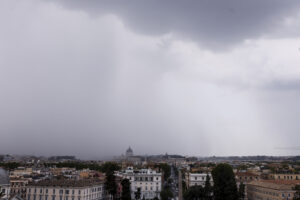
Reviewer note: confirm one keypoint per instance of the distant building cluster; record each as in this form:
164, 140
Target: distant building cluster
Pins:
67, 178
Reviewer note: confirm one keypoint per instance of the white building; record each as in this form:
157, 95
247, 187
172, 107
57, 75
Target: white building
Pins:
66, 190
149, 181
194, 179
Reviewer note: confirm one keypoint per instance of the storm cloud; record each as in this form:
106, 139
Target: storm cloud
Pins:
90, 78
213, 23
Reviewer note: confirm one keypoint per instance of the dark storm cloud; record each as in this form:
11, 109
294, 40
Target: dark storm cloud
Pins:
213, 23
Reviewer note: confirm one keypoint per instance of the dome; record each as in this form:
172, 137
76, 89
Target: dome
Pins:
129, 152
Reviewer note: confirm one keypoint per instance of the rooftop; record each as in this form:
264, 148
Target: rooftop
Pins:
67, 183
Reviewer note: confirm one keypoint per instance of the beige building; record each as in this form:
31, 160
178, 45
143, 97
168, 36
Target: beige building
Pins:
285, 176
20, 172
271, 189
18, 187
245, 178
66, 190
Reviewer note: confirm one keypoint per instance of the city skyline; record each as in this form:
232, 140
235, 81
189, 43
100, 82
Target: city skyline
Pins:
199, 78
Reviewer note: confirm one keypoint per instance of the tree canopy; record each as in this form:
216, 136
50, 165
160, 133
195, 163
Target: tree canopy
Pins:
224, 183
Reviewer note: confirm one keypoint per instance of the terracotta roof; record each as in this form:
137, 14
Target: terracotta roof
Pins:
246, 174
67, 183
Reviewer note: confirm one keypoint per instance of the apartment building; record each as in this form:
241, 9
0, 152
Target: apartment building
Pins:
149, 181
285, 176
66, 189
18, 186
197, 179
271, 189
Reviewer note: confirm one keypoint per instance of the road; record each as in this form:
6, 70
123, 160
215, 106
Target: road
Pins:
175, 184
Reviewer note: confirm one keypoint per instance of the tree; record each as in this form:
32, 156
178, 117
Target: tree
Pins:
126, 195
166, 194
194, 193
208, 188
242, 191
224, 183
166, 170
297, 193
137, 194
110, 166
110, 184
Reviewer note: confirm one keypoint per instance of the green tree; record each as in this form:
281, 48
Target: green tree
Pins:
166, 194
242, 191
110, 166
208, 189
126, 195
137, 194
110, 184
194, 193
297, 193
166, 170
224, 183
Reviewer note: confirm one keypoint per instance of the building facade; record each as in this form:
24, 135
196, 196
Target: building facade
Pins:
18, 187
66, 190
149, 181
285, 176
271, 189
197, 179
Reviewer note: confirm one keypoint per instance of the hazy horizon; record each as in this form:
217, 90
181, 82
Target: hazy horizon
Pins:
204, 77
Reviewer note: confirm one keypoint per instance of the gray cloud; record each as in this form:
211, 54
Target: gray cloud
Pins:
212, 23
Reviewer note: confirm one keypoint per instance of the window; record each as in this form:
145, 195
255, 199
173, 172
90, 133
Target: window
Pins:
66, 197
34, 190
41, 190
46, 191
79, 191
53, 197
67, 191
53, 191
46, 197
61, 191
73, 191
60, 197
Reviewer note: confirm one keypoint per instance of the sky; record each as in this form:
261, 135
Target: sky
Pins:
198, 77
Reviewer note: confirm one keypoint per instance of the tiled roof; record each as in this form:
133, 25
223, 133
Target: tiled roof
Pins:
67, 183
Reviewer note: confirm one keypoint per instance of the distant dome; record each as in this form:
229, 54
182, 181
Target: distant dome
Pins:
129, 152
